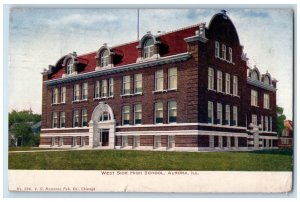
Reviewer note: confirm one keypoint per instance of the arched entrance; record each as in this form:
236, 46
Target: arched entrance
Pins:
102, 127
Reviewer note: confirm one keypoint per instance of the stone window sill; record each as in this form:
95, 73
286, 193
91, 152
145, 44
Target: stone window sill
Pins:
103, 98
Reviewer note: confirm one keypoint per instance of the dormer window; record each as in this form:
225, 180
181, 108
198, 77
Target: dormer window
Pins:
254, 75
104, 58
70, 67
148, 48
267, 80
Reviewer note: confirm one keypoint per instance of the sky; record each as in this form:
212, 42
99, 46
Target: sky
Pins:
38, 37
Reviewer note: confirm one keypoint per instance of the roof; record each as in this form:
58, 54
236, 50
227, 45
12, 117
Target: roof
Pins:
173, 42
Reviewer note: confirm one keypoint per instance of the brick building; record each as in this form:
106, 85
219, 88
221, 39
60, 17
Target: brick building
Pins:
188, 89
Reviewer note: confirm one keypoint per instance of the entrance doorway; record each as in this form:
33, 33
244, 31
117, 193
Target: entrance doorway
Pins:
104, 136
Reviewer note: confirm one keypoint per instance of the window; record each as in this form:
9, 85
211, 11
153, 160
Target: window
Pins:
254, 119
111, 87
97, 89
159, 80
124, 141
54, 120
63, 94
76, 92
267, 123
126, 85
104, 116
267, 80
254, 75
235, 85
157, 141
254, 98
172, 78
266, 101
70, 66
125, 115
219, 81
136, 141
158, 113
55, 96
227, 114
227, 84
235, 116
84, 120
104, 58
223, 52
172, 111
230, 54
137, 114
171, 141
219, 113
217, 49
75, 118
271, 123
85, 91
104, 88
210, 78
262, 122
138, 83
148, 48
62, 119
210, 112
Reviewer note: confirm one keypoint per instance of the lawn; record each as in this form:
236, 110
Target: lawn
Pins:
276, 160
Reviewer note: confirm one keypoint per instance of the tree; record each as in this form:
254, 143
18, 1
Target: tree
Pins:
280, 120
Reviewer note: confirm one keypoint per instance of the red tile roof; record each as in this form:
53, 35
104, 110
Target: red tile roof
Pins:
174, 41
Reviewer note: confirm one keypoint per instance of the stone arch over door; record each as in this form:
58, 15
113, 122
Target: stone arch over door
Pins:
96, 126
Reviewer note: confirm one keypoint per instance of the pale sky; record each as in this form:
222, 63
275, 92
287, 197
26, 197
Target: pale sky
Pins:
39, 37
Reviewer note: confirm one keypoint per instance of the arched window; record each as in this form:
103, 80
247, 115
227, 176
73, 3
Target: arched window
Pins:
104, 58
70, 66
254, 75
104, 116
148, 48
267, 80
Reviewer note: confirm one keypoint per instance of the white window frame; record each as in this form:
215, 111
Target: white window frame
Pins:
262, 122
254, 98
75, 117
157, 109
85, 91
219, 81
171, 141
97, 89
172, 110
159, 79
235, 115
125, 112
267, 123
227, 114
104, 88
266, 101
227, 83
124, 141
219, 113
136, 141
254, 119
62, 119
157, 141
137, 112
126, 85
138, 83
148, 51
84, 117
217, 49
210, 84
210, 108
172, 78
76, 92
70, 67
111, 87
230, 54
55, 96
54, 120
104, 58
271, 124
223, 51
235, 86
63, 91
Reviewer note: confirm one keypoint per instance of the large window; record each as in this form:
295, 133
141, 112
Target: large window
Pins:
84, 120
235, 85
104, 88
104, 58
158, 112
254, 119
126, 85
219, 113
97, 89
63, 94
223, 52
217, 49
75, 118
210, 78
230, 54
138, 83
125, 115
172, 105
235, 116
227, 84
172, 78
254, 98
266, 101
54, 120
159, 80
111, 87
219, 81
148, 48
76, 92
137, 114
62, 119
227, 114
267, 123
85, 91
210, 112
55, 96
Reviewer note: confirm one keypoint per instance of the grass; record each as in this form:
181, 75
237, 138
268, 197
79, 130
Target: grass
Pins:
26, 148
275, 160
